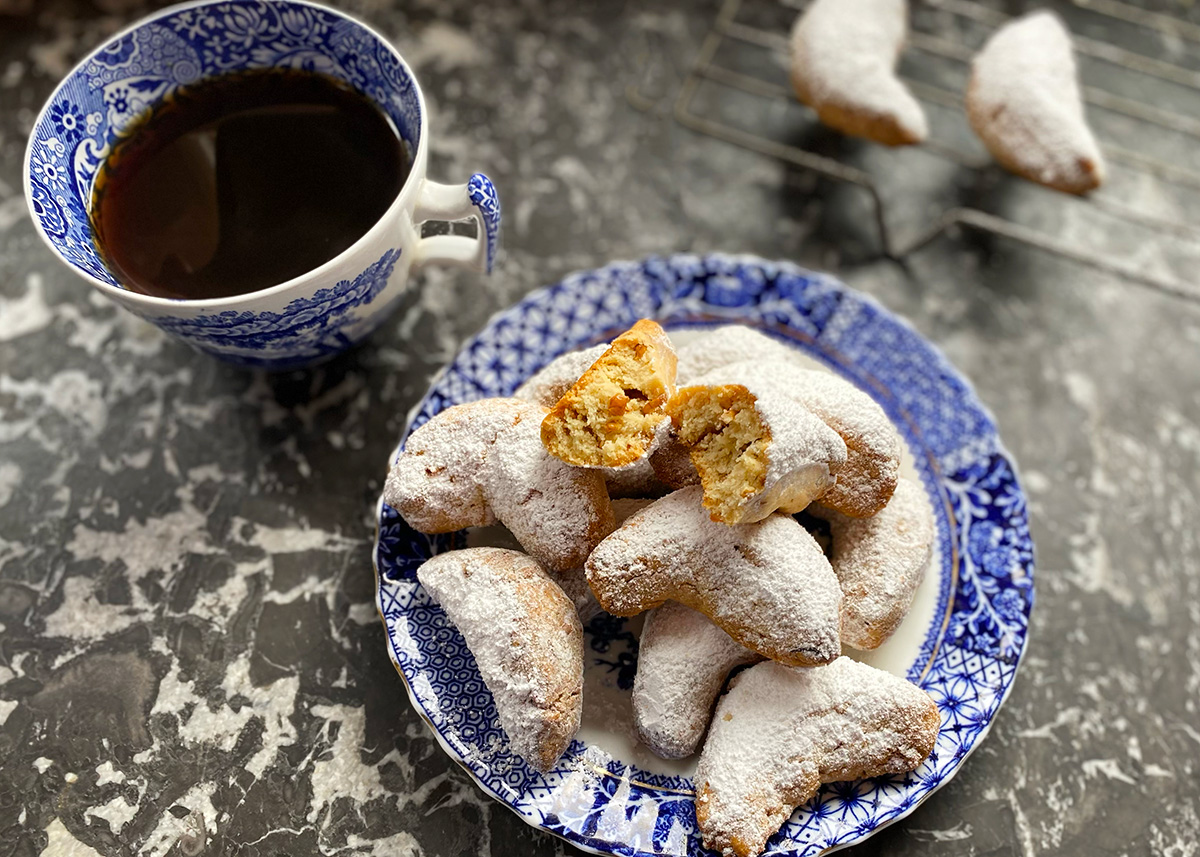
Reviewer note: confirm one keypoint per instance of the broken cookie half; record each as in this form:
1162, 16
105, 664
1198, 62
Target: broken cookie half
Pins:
612, 416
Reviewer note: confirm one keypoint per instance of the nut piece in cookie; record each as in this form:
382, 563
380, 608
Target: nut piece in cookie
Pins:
768, 584
1023, 101
844, 56
482, 462
756, 449
613, 413
526, 639
683, 660
779, 733
880, 562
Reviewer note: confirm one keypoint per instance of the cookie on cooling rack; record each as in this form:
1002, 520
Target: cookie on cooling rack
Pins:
844, 56
1023, 101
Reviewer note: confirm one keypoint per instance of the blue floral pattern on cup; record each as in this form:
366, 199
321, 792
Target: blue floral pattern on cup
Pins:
968, 658
308, 329
143, 66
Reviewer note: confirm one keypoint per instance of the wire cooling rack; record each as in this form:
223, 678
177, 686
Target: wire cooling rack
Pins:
1140, 71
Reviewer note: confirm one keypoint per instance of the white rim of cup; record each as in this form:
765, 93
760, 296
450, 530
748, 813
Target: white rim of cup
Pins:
234, 301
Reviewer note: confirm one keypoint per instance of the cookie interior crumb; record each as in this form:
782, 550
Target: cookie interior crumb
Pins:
610, 417
728, 442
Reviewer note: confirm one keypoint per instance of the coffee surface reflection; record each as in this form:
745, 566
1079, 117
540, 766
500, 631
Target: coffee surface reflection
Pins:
244, 181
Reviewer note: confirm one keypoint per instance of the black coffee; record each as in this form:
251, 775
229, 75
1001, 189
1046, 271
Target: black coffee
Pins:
243, 181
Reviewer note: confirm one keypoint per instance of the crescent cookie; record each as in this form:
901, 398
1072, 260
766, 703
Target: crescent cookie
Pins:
526, 639
613, 414
757, 450
768, 584
1023, 101
730, 343
482, 462
683, 660
844, 56
880, 562
671, 462
867, 480
574, 585
779, 733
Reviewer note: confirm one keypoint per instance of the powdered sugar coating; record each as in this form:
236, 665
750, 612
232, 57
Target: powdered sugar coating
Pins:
880, 562
780, 732
872, 467
731, 343
435, 482
482, 462
1023, 100
557, 512
768, 584
683, 660
526, 639
574, 585
805, 455
549, 383
844, 56
634, 480
574, 581
672, 464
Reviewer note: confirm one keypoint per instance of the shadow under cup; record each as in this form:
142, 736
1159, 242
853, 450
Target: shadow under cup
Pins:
285, 325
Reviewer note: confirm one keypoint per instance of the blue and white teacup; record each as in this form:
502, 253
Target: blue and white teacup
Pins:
307, 318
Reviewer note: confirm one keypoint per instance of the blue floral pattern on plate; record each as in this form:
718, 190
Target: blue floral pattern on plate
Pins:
141, 67
970, 653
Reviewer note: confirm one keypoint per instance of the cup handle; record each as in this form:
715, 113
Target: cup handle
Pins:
477, 198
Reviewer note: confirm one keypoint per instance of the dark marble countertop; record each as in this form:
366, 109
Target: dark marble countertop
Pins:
190, 657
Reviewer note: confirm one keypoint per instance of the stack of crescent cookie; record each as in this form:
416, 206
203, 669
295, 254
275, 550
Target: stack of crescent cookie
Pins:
773, 530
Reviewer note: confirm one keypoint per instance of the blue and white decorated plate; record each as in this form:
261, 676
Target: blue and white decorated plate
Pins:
961, 642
